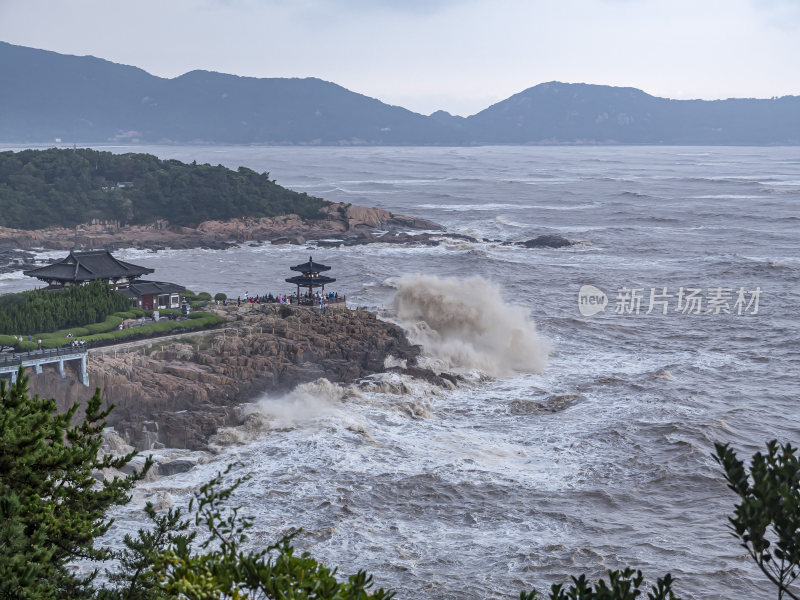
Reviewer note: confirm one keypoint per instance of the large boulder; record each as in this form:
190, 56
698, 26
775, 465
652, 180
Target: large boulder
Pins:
547, 241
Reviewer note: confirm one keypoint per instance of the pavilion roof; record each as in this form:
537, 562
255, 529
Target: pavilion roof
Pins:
310, 267
150, 288
317, 281
88, 266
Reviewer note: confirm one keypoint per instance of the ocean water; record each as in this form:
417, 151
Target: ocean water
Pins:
576, 443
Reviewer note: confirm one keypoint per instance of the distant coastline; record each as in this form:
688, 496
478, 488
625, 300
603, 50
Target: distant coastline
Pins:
111, 103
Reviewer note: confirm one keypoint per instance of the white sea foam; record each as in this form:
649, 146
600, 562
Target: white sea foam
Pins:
465, 324
313, 404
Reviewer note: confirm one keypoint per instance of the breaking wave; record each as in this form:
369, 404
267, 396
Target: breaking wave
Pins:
316, 404
465, 324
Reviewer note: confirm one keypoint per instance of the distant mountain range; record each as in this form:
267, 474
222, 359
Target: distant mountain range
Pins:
48, 96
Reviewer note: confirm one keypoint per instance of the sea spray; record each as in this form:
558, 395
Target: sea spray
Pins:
465, 324
309, 404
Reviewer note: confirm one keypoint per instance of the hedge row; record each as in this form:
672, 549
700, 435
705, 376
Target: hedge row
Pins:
107, 331
202, 320
45, 310
133, 313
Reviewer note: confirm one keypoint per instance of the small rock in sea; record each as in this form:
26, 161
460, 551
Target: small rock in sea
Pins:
547, 241
174, 467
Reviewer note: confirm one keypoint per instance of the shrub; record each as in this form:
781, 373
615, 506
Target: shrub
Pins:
197, 304
111, 322
62, 333
47, 310
197, 315
99, 337
7, 340
220, 297
26, 346
204, 296
50, 343
128, 314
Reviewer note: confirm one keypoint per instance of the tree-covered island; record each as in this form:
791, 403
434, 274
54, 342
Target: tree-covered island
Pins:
68, 187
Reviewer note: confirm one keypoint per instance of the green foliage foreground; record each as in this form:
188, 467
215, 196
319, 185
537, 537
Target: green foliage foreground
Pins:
52, 510
168, 561
51, 507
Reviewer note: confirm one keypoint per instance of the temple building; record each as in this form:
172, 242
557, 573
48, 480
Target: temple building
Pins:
78, 268
83, 267
152, 295
310, 277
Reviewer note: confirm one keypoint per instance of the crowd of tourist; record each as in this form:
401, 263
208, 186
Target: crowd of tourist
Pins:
317, 299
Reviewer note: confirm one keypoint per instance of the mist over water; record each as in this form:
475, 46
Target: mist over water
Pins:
465, 324
518, 476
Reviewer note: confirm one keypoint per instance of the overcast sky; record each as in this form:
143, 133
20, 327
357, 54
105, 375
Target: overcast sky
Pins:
425, 55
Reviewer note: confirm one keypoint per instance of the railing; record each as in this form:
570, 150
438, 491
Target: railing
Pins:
313, 302
17, 358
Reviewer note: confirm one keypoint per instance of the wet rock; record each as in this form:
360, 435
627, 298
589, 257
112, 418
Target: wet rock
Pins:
178, 394
16, 260
174, 467
550, 405
439, 379
338, 220
547, 241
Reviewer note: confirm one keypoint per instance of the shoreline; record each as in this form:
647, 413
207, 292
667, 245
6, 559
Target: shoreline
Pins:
342, 221
178, 393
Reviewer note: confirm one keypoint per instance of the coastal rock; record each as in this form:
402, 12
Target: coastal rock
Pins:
547, 241
15, 260
173, 467
179, 393
340, 219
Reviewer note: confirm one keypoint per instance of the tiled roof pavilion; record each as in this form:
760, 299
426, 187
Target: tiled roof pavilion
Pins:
82, 267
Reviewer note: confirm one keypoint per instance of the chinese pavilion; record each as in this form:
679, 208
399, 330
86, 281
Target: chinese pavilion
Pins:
310, 277
82, 267
78, 268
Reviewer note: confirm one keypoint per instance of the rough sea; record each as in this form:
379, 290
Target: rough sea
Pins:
518, 478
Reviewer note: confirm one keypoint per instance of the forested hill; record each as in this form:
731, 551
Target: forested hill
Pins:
41, 188
48, 96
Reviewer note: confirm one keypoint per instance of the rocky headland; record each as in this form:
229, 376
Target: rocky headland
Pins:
345, 225
341, 220
178, 392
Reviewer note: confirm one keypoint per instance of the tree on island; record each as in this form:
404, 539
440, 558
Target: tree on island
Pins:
61, 187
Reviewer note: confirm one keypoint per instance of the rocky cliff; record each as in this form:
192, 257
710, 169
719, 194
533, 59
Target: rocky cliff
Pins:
177, 392
341, 220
